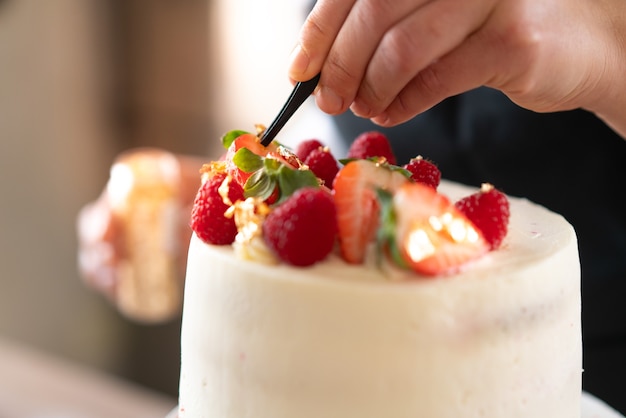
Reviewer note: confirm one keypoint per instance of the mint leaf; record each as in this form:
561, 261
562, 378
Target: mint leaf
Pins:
290, 180
260, 185
229, 137
345, 161
247, 161
386, 235
406, 173
272, 165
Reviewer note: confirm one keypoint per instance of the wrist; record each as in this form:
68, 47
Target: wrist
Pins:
608, 99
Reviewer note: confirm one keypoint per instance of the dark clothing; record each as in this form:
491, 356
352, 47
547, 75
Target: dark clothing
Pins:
569, 162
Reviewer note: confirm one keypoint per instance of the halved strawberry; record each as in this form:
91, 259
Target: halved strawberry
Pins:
252, 143
263, 171
432, 235
358, 209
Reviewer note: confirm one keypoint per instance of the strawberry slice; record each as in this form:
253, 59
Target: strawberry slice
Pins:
257, 168
432, 235
357, 205
252, 143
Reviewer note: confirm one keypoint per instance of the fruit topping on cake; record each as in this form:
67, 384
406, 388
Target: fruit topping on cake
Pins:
302, 230
305, 147
432, 235
372, 144
322, 163
489, 210
358, 208
275, 205
208, 220
424, 171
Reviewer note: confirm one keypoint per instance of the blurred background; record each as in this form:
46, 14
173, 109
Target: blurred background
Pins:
80, 82
83, 80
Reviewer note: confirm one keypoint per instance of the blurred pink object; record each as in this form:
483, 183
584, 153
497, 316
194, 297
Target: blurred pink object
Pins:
133, 239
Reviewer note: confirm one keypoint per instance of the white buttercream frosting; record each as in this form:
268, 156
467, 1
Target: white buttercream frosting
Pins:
501, 338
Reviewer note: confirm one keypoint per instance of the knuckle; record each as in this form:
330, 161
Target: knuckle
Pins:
372, 97
397, 46
429, 84
523, 45
339, 74
313, 30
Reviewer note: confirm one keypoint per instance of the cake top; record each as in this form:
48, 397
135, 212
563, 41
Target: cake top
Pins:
300, 207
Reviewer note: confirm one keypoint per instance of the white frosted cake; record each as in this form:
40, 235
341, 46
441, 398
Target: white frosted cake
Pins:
500, 337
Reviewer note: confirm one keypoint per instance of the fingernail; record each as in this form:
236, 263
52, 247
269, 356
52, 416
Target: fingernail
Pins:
381, 119
360, 109
298, 62
329, 101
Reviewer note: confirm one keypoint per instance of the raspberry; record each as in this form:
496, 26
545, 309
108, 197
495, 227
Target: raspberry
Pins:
207, 216
304, 148
489, 210
424, 171
302, 230
322, 163
372, 144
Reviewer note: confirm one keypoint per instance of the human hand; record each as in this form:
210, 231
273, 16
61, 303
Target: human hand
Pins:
133, 239
390, 60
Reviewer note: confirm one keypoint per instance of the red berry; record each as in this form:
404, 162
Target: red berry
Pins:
424, 171
322, 163
253, 144
357, 205
372, 144
433, 236
489, 210
304, 148
302, 230
208, 220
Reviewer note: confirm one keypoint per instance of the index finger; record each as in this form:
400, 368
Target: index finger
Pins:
317, 36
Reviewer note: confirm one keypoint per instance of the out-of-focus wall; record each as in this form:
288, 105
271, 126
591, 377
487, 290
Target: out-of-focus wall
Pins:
80, 81
55, 145
162, 65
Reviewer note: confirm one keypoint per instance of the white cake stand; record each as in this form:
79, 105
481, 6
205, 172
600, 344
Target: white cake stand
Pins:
591, 407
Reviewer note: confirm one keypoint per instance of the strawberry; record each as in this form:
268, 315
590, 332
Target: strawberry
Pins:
265, 172
489, 210
208, 218
252, 147
424, 171
372, 144
304, 148
322, 163
245, 155
358, 209
432, 235
302, 230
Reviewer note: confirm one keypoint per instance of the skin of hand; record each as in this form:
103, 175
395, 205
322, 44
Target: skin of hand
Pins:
389, 60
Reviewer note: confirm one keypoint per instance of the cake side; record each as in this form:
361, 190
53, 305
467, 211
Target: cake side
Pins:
501, 338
